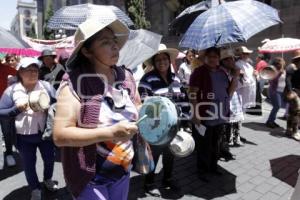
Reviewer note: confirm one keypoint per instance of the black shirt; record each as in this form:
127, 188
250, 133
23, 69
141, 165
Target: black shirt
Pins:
53, 76
295, 80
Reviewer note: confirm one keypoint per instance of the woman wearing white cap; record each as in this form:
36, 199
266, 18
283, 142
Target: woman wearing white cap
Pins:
30, 124
96, 102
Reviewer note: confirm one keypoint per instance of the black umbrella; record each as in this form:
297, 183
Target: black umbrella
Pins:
182, 22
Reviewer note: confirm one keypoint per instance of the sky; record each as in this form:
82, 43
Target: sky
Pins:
8, 10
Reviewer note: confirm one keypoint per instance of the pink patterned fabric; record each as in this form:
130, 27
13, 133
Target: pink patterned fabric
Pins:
20, 52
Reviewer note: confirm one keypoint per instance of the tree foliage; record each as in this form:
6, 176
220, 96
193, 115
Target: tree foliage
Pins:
32, 32
48, 34
136, 10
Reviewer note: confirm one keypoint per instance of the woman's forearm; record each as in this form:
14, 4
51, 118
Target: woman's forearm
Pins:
9, 112
78, 137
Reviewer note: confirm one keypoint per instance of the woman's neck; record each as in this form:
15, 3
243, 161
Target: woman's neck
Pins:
164, 75
107, 71
29, 87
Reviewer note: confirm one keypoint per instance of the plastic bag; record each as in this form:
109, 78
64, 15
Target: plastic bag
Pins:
143, 162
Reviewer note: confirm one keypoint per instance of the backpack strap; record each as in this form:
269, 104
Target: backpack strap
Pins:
58, 68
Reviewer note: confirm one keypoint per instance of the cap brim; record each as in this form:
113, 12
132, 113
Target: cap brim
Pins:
41, 57
120, 30
296, 57
228, 56
27, 65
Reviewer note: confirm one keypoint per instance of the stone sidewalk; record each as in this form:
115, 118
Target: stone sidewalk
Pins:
265, 169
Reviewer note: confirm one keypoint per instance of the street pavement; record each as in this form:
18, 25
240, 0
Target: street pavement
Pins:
265, 169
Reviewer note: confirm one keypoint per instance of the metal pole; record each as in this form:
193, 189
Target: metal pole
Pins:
282, 36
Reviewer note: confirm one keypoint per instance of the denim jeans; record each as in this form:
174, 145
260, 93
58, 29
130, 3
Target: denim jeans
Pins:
261, 83
27, 146
276, 101
167, 162
8, 131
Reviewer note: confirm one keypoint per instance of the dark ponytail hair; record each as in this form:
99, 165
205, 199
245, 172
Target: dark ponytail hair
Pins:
187, 52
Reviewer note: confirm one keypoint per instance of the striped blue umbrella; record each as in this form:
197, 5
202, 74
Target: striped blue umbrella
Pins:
69, 17
228, 23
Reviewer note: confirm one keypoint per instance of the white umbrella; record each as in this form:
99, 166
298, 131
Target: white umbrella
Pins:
280, 45
141, 45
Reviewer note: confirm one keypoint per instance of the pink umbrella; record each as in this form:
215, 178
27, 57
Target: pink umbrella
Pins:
20, 51
280, 45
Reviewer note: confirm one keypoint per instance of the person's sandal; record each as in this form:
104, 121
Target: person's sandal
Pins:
170, 185
296, 136
152, 190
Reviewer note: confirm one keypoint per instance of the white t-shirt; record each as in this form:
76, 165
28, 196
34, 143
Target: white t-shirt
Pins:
281, 82
185, 72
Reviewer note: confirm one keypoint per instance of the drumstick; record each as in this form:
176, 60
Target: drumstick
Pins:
141, 119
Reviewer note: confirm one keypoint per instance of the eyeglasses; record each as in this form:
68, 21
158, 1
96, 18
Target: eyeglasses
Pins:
30, 70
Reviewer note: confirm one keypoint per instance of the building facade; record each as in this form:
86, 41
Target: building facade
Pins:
290, 16
25, 22
43, 7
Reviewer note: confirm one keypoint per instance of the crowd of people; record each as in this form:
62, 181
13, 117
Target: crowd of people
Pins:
95, 104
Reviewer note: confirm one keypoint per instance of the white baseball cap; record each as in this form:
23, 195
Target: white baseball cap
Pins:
27, 61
